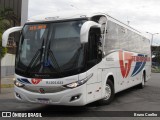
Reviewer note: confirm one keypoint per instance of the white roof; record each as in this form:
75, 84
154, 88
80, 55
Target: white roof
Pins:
63, 15
59, 15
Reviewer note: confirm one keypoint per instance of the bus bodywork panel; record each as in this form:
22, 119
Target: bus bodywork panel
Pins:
126, 67
52, 93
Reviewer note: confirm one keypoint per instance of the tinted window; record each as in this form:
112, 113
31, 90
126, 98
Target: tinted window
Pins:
111, 40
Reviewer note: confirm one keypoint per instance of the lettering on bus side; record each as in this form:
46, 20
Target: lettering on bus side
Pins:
127, 58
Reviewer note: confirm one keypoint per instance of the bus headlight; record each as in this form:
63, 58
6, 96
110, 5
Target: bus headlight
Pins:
18, 84
78, 83
72, 85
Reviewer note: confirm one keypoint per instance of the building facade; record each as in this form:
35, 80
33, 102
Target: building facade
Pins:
20, 8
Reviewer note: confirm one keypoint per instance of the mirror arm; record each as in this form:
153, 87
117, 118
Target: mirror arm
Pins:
85, 30
8, 32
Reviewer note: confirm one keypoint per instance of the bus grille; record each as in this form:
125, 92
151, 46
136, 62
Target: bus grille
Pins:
47, 89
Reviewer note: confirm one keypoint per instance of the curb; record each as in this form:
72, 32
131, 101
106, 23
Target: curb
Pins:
7, 85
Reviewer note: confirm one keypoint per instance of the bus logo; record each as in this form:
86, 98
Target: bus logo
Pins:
41, 90
125, 60
36, 81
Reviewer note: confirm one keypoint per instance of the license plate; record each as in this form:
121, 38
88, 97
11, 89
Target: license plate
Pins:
43, 100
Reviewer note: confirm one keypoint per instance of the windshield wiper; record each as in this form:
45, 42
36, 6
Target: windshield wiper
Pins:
36, 57
34, 60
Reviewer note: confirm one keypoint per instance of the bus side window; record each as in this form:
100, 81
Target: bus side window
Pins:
111, 39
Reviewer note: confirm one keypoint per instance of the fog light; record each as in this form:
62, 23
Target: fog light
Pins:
18, 95
76, 97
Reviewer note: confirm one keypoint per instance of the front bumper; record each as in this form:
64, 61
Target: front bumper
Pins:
58, 98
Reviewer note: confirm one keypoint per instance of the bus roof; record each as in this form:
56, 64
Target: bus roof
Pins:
75, 14
63, 16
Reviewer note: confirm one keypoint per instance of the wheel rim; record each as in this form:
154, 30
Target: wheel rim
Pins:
107, 92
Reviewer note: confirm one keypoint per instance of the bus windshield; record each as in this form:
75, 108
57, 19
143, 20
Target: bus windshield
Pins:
50, 50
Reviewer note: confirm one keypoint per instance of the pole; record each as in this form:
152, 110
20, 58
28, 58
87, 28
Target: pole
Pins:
152, 34
152, 40
151, 45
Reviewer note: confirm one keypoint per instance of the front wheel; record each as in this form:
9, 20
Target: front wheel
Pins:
109, 93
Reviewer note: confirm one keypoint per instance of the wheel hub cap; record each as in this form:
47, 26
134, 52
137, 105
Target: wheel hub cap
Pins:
107, 92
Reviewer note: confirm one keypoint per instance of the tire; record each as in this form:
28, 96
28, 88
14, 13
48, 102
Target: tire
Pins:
109, 90
142, 85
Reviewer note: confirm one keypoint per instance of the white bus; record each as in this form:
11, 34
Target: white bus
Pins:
77, 58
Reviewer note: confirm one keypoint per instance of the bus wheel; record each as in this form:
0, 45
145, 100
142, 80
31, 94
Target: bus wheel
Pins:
109, 93
142, 85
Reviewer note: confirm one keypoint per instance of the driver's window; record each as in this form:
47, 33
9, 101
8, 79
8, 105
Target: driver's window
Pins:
93, 44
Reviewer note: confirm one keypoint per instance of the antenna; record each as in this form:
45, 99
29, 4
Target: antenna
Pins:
128, 22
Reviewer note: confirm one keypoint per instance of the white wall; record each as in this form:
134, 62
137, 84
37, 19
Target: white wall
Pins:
8, 62
7, 65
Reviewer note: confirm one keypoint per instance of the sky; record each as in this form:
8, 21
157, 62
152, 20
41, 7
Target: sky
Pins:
143, 15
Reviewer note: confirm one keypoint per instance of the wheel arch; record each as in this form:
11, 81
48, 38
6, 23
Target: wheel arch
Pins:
144, 73
111, 77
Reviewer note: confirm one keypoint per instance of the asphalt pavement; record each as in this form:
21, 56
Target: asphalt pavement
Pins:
133, 99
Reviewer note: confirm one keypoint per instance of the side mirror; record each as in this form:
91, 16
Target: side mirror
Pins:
8, 32
85, 30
